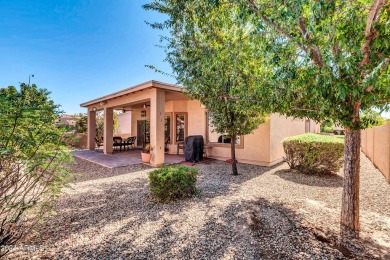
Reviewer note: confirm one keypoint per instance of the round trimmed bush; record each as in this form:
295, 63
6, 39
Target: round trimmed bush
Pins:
313, 153
173, 182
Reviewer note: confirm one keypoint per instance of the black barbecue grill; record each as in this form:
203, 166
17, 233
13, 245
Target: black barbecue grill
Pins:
193, 148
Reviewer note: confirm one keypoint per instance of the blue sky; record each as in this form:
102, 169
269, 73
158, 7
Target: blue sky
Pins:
79, 50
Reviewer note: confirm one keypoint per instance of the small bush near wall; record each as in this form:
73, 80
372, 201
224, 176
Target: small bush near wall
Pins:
173, 182
312, 153
75, 140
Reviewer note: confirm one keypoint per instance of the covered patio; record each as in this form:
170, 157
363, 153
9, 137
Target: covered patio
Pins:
147, 103
120, 159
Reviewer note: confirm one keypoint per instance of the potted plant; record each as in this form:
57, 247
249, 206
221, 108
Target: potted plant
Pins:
145, 155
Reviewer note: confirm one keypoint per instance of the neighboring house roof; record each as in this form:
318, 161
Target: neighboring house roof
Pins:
68, 119
142, 86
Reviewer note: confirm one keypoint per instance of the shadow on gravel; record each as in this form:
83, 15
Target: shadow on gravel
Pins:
111, 201
120, 221
311, 180
247, 230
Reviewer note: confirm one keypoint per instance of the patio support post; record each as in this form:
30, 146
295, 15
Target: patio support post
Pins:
157, 118
91, 134
108, 130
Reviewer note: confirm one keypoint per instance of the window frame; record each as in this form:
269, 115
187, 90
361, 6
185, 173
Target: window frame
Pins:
175, 125
216, 144
170, 127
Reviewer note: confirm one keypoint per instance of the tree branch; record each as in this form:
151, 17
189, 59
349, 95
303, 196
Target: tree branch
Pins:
276, 27
315, 53
369, 33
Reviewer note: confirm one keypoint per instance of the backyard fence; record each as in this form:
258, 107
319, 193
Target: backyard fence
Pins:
376, 146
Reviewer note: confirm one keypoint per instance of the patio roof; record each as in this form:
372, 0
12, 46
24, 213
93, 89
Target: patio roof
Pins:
139, 87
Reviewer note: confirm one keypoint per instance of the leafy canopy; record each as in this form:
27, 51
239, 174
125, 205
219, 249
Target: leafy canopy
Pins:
329, 58
213, 55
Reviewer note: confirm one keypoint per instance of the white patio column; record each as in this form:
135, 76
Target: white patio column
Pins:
157, 117
91, 134
108, 130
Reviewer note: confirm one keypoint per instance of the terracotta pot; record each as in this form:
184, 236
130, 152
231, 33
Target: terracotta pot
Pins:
146, 157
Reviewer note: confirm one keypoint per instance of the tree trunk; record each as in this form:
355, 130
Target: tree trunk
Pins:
349, 220
233, 155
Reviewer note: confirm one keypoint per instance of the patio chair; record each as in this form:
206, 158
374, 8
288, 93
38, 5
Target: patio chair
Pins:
180, 145
130, 142
117, 142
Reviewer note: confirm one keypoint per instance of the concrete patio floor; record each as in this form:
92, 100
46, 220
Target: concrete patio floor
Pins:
120, 159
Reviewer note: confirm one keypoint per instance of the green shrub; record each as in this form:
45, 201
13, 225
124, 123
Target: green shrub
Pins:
327, 129
313, 153
33, 161
327, 126
172, 182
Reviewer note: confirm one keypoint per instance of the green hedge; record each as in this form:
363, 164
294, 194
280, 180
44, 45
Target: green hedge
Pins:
327, 129
173, 182
313, 153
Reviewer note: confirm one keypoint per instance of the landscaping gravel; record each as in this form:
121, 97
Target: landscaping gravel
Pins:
264, 213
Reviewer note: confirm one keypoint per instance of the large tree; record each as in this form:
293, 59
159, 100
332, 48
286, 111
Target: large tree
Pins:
208, 54
32, 160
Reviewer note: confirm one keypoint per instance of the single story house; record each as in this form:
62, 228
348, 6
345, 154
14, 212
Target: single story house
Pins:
162, 115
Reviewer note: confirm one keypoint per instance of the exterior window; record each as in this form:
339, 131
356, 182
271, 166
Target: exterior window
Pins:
180, 127
167, 128
217, 138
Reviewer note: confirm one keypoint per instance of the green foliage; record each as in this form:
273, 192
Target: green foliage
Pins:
313, 153
327, 126
330, 59
32, 160
372, 118
327, 129
100, 124
81, 123
173, 182
75, 140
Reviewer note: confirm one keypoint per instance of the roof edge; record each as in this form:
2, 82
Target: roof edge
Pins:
138, 87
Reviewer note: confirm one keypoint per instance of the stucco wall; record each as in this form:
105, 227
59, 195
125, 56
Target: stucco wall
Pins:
255, 150
376, 145
196, 118
256, 145
282, 127
124, 123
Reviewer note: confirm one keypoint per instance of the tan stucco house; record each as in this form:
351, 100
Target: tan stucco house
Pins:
161, 112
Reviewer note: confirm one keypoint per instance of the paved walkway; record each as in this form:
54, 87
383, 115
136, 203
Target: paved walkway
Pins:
120, 159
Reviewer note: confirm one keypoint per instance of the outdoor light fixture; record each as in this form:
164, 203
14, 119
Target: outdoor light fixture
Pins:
124, 110
146, 105
94, 109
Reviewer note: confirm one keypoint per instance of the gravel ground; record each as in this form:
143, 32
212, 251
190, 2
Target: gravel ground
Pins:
264, 213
